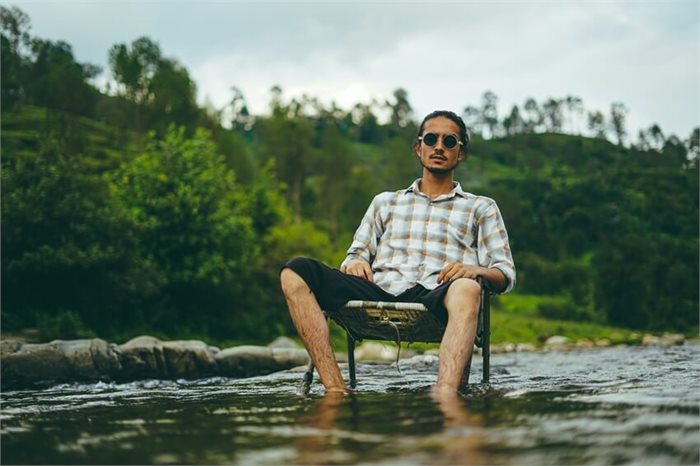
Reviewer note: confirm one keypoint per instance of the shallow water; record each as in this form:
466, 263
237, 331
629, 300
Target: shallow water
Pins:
635, 405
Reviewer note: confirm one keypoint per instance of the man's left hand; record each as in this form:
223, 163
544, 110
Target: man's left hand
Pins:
455, 270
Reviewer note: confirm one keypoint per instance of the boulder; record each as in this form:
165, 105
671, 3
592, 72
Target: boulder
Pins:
189, 359
672, 339
650, 340
57, 361
248, 360
375, 351
556, 340
283, 342
142, 358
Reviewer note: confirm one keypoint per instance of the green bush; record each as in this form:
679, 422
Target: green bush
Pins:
64, 325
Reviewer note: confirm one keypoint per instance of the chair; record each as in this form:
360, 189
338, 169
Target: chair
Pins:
411, 322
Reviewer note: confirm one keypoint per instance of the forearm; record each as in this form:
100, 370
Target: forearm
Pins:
495, 277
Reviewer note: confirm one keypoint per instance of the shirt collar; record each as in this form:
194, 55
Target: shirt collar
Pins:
456, 190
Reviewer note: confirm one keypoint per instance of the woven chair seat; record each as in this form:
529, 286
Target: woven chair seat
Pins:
399, 322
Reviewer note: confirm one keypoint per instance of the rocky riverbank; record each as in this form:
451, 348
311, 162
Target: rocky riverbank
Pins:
144, 357
27, 365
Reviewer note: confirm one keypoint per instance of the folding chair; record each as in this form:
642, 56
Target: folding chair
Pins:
399, 322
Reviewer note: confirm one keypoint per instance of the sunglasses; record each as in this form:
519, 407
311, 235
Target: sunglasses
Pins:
450, 141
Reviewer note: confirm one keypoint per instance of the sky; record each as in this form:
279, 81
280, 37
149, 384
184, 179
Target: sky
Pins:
645, 54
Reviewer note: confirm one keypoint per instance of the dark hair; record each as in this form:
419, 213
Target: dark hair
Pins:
463, 134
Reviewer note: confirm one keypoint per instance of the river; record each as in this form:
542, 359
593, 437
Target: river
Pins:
622, 405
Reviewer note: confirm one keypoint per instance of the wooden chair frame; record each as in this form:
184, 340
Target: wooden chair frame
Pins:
398, 322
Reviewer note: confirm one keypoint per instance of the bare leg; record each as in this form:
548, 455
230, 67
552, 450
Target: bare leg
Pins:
462, 303
312, 328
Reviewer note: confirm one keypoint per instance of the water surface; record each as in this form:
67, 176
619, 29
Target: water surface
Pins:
634, 405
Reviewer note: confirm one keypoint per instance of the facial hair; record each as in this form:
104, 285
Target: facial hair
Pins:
439, 170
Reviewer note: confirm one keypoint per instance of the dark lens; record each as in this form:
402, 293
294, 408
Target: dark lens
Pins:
449, 141
430, 139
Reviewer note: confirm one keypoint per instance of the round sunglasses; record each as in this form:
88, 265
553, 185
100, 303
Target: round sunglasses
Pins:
450, 141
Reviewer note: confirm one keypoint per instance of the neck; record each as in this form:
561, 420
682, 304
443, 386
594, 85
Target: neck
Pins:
434, 185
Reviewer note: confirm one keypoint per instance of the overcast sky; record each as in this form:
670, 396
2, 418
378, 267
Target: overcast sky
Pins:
643, 54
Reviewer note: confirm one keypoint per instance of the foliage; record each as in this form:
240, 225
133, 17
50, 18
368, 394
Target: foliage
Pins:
135, 210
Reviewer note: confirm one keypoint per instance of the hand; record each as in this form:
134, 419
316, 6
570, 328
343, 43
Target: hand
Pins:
358, 268
455, 270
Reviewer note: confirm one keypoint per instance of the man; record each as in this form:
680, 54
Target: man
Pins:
426, 244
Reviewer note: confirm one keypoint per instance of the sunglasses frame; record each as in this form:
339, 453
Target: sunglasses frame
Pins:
441, 137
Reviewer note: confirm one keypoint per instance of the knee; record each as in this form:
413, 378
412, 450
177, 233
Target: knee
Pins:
463, 298
291, 282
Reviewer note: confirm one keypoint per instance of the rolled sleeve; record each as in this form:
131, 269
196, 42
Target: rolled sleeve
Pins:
493, 249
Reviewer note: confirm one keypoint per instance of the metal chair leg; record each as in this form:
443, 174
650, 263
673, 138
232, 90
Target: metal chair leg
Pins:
308, 378
351, 360
486, 336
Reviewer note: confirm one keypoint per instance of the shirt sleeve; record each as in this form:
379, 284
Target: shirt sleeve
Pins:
364, 243
493, 248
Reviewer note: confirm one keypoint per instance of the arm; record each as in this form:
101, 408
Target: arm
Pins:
364, 245
493, 252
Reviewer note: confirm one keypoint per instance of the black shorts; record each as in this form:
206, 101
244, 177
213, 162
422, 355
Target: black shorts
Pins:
334, 288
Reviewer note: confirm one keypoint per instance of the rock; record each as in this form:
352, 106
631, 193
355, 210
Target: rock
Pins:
506, 347
650, 340
672, 339
556, 340
287, 358
246, 361
283, 342
189, 359
585, 343
421, 361
432, 352
525, 348
57, 361
375, 351
142, 358
602, 343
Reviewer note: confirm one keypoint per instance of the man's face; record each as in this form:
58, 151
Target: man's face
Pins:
438, 159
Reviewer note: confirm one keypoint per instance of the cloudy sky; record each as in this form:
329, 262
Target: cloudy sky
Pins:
643, 54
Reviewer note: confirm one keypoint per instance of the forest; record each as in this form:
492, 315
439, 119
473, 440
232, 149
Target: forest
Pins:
133, 209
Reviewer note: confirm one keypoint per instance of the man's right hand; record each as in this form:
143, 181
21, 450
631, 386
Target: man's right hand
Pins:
358, 268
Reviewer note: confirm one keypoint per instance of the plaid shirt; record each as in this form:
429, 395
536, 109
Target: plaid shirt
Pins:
408, 238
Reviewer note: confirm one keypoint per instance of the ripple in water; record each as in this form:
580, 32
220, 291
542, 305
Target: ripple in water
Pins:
605, 406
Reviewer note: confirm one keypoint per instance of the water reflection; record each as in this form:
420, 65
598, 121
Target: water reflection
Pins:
633, 405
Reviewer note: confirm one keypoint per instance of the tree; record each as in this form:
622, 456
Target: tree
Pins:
489, 112
196, 237
535, 118
58, 82
172, 97
14, 28
513, 123
134, 67
553, 115
596, 124
401, 111
618, 111
693, 145
472, 119
574, 106
66, 243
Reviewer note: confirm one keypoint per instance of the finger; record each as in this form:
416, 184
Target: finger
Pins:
453, 273
444, 271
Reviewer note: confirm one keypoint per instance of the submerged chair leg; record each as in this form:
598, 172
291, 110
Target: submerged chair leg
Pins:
486, 336
351, 360
308, 378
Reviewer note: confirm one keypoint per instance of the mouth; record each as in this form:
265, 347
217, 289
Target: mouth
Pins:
438, 157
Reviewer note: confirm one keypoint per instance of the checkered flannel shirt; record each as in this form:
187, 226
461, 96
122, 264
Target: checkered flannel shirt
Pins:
408, 238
